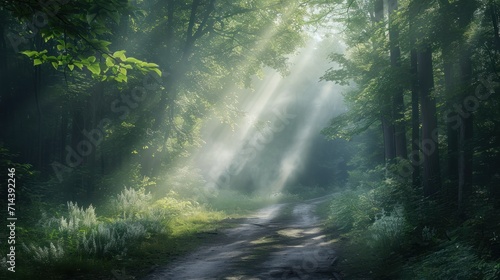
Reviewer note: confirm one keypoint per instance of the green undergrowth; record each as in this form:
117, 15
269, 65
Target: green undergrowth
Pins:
128, 236
384, 231
241, 204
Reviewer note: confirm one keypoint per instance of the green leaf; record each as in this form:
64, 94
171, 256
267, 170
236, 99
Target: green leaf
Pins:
29, 53
149, 64
47, 38
71, 67
109, 62
121, 78
90, 18
37, 62
60, 47
79, 65
132, 60
120, 55
95, 68
91, 59
123, 71
55, 64
115, 16
157, 71
104, 43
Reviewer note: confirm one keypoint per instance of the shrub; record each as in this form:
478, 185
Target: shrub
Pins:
387, 232
103, 241
77, 218
452, 260
353, 210
130, 202
45, 255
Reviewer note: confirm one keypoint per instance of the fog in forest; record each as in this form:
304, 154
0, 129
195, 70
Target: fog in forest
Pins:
250, 139
270, 146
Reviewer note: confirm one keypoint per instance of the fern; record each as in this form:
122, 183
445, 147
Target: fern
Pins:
78, 218
130, 202
44, 254
389, 228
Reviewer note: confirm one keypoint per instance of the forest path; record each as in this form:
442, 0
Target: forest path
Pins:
282, 241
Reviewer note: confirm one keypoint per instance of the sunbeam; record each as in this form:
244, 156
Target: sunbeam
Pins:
279, 105
297, 152
233, 139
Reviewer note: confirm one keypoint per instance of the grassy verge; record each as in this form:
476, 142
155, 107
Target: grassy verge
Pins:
127, 237
241, 204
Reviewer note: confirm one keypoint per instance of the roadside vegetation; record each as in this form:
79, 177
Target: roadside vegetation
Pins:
127, 235
383, 230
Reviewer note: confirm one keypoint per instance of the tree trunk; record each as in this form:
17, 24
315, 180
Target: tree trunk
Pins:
430, 146
63, 134
387, 115
398, 99
494, 22
415, 121
389, 143
415, 110
465, 169
451, 131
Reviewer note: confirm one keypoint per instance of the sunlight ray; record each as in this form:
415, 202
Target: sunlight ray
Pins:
292, 162
237, 148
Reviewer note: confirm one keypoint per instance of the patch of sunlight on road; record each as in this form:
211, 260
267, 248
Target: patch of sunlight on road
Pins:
313, 231
262, 240
291, 232
319, 237
268, 213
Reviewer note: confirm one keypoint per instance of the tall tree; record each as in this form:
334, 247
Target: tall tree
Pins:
431, 176
398, 98
415, 109
387, 113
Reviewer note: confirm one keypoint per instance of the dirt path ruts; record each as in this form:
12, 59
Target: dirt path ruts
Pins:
282, 241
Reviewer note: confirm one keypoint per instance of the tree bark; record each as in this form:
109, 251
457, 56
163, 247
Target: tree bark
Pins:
429, 145
387, 114
415, 121
398, 98
465, 169
415, 110
451, 131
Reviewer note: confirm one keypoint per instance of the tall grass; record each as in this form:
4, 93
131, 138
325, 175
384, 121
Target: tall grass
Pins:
81, 233
78, 218
388, 231
131, 202
44, 254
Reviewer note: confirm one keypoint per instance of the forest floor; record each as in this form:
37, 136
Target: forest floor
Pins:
282, 241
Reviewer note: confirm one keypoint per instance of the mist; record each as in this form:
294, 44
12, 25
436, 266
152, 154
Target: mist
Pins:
269, 147
249, 139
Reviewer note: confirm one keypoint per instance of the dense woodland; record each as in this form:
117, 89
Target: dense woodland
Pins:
107, 106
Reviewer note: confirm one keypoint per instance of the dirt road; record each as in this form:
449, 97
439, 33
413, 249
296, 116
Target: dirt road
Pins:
282, 241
